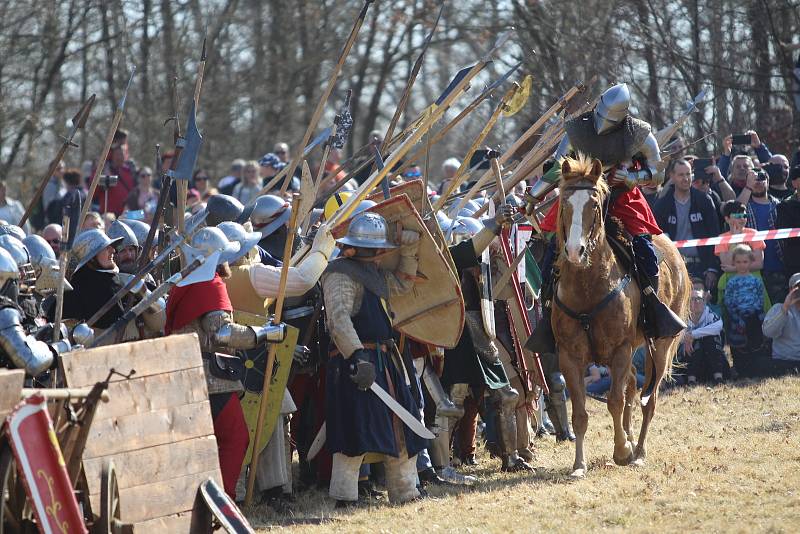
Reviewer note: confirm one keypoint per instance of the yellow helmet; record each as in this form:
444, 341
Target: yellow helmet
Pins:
334, 203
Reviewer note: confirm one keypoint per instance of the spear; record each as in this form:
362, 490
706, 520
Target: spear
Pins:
78, 122
273, 347
453, 92
411, 79
461, 172
101, 162
186, 165
324, 98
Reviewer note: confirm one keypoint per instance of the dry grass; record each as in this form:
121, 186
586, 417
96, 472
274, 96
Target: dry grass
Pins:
722, 459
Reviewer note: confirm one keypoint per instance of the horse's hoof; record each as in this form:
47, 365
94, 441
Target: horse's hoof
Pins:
625, 458
638, 462
578, 474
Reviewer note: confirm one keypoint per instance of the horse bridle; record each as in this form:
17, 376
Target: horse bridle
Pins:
592, 238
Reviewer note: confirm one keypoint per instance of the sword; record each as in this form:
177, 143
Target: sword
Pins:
318, 442
411, 422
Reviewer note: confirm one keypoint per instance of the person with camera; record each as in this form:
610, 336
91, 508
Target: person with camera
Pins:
762, 214
687, 213
782, 324
749, 138
708, 179
117, 164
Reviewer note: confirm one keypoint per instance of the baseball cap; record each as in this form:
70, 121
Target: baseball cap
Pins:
794, 280
271, 160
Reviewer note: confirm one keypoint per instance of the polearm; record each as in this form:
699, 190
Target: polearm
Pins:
183, 181
101, 161
404, 98
273, 347
556, 108
174, 239
166, 178
78, 122
461, 173
62, 264
453, 92
365, 150
324, 98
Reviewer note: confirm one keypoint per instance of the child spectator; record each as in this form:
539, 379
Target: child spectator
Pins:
744, 301
702, 342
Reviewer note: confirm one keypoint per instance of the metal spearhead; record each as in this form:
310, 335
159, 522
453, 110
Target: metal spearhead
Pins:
191, 149
121, 104
343, 122
79, 120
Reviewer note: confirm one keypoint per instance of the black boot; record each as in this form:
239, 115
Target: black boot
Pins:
659, 320
542, 340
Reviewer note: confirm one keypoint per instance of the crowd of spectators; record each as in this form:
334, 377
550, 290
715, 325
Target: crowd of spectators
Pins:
746, 297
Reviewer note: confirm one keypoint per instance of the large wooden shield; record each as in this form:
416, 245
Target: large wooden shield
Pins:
415, 190
433, 311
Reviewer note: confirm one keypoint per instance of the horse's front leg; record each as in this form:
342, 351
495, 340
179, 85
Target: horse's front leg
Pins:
573, 375
630, 399
620, 370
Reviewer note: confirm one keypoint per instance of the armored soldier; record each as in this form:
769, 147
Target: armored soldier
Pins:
19, 349
127, 248
475, 362
95, 281
356, 293
630, 156
269, 217
204, 308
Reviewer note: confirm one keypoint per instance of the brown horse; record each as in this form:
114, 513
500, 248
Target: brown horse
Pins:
592, 283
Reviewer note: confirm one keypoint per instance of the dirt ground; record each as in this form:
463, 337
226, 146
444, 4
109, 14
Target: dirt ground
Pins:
723, 459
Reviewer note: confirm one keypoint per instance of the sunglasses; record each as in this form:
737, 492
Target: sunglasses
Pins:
281, 152
204, 178
738, 215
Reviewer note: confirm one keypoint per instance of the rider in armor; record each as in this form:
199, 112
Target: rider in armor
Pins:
356, 292
630, 156
204, 308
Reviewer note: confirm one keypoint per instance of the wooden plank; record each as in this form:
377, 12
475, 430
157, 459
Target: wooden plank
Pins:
11, 381
142, 395
145, 466
177, 523
159, 499
149, 357
128, 433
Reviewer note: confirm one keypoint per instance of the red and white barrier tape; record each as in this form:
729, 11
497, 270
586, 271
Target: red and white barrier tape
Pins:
763, 235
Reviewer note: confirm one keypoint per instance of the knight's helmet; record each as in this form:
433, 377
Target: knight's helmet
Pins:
9, 275
18, 251
612, 108
367, 230
464, 228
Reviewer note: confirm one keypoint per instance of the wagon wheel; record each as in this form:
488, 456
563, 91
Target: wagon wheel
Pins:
110, 520
16, 514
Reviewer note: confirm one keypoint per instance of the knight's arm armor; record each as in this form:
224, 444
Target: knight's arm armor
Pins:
224, 332
549, 180
24, 351
492, 226
648, 175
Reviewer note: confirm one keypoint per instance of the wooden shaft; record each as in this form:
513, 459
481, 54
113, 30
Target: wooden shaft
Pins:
101, 163
62, 265
273, 347
347, 209
324, 98
498, 178
461, 173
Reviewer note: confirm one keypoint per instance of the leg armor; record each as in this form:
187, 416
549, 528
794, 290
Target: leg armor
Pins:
659, 320
444, 406
440, 446
556, 401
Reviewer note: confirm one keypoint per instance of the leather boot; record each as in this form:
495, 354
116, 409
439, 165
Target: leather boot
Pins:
659, 320
542, 339
557, 412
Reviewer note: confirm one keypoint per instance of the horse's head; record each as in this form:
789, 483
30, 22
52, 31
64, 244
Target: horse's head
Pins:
580, 214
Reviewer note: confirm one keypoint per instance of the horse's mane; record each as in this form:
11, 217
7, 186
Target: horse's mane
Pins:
580, 168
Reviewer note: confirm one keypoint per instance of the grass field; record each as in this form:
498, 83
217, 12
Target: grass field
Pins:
724, 459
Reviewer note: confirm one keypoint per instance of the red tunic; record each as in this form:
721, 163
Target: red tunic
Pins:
630, 207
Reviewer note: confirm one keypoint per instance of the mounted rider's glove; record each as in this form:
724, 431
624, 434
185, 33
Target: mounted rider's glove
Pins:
503, 218
302, 354
363, 370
